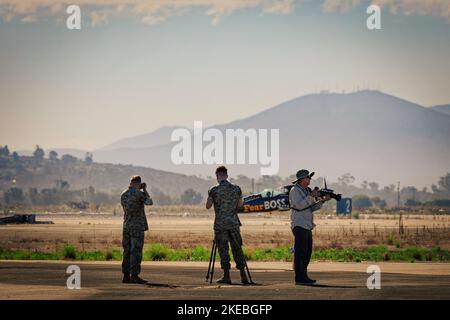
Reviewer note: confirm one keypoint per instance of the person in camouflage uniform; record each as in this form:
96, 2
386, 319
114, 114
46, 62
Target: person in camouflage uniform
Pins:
227, 198
134, 226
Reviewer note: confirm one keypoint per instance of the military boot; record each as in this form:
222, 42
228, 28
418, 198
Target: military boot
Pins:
126, 278
226, 279
137, 279
312, 280
244, 279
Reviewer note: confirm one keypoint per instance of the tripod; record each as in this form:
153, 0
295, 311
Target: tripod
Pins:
212, 260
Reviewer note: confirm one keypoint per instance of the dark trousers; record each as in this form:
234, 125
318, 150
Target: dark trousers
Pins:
303, 251
133, 243
232, 237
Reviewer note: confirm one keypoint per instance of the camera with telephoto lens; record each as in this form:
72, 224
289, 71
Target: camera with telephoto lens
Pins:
328, 192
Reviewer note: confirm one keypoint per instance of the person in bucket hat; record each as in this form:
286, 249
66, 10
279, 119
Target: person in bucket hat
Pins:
302, 174
303, 203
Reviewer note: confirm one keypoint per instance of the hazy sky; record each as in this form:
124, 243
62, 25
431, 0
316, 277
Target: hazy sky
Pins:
138, 65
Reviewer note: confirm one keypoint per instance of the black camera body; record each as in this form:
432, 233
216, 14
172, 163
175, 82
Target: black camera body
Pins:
328, 192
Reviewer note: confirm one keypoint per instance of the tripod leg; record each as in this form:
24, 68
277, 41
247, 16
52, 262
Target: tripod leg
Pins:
248, 272
213, 262
210, 260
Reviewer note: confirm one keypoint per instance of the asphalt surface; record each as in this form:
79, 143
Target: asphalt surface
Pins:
47, 280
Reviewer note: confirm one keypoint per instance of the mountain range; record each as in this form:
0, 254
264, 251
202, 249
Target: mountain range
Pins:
370, 134
445, 108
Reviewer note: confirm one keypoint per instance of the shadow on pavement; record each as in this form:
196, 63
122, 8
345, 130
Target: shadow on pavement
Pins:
162, 285
328, 286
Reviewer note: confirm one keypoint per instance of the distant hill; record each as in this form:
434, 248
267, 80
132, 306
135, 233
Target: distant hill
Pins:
29, 173
373, 135
61, 151
442, 108
158, 137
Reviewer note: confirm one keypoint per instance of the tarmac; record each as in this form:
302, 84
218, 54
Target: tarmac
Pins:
186, 281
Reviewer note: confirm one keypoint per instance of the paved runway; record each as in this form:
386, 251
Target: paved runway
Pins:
184, 280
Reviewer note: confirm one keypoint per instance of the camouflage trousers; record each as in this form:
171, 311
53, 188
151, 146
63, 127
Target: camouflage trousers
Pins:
232, 237
133, 243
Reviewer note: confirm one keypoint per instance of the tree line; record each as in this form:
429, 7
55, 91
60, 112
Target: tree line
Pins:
367, 194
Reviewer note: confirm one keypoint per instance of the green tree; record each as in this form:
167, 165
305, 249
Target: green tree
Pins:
362, 202
244, 182
39, 153
412, 203
68, 159
441, 202
378, 202
364, 184
435, 189
444, 183
382, 204
159, 197
33, 195
14, 196
16, 157
4, 151
270, 182
189, 196
53, 155
89, 158
346, 179
374, 186
62, 185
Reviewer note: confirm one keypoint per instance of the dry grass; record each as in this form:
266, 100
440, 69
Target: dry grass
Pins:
110, 209
186, 227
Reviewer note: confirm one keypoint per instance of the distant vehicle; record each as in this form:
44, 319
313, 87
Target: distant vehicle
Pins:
21, 219
268, 200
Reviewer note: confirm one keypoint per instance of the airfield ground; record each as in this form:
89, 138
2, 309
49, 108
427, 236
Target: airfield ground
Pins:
186, 280
89, 232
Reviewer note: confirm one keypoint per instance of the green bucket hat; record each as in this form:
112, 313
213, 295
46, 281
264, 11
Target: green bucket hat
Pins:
302, 174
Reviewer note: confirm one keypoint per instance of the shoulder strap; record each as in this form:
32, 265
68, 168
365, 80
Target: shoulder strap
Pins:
308, 207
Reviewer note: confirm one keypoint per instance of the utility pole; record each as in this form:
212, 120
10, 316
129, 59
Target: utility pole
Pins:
400, 220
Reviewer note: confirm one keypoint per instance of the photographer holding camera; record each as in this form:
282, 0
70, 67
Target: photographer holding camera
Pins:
303, 203
134, 226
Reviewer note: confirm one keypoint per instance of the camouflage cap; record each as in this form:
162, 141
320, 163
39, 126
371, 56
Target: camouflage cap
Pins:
303, 173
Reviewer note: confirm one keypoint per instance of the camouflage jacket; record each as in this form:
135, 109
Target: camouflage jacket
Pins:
133, 201
225, 197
